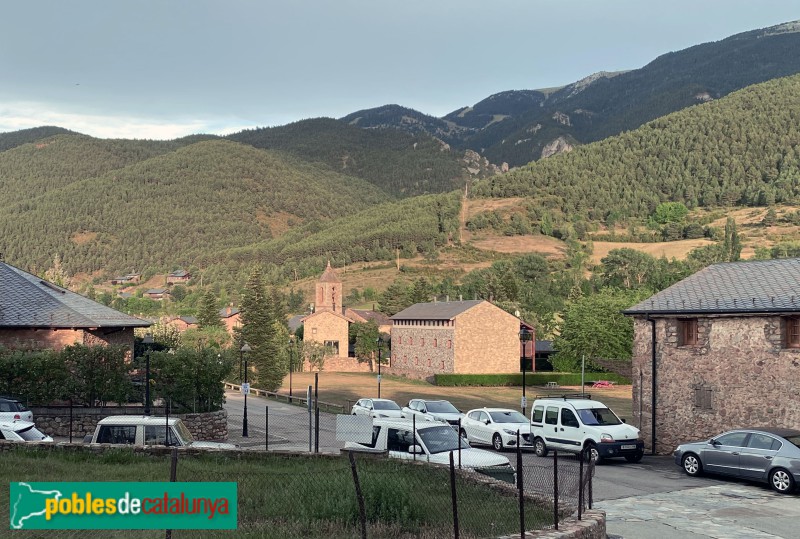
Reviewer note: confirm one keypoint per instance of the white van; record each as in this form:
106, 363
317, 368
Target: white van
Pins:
573, 423
432, 442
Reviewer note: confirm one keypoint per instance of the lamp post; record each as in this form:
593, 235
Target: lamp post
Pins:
379, 340
148, 341
525, 337
291, 365
245, 386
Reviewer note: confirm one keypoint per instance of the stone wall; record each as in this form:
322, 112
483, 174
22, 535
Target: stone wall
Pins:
55, 421
340, 364
738, 375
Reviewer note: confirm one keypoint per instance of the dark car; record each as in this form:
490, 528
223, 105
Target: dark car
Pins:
768, 455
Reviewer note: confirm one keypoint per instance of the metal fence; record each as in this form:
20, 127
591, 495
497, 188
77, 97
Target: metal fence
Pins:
350, 496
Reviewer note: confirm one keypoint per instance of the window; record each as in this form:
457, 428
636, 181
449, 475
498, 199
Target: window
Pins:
449, 344
435, 343
422, 342
792, 332
734, 439
568, 419
551, 417
538, 413
399, 440
687, 332
762, 441
117, 434
334, 345
703, 398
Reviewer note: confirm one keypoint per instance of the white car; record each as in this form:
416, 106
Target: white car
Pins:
432, 442
11, 410
433, 410
377, 408
496, 426
147, 430
22, 431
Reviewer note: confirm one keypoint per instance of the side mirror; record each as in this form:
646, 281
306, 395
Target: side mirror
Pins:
487, 421
415, 450
713, 441
623, 420
424, 410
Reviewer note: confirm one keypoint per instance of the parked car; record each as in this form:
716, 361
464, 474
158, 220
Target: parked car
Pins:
575, 423
432, 442
148, 430
767, 455
432, 410
11, 409
22, 431
496, 426
377, 408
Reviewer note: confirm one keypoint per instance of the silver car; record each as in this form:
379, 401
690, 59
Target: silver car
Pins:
376, 408
768, 455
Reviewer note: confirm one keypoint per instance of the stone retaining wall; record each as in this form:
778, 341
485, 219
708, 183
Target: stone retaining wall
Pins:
55, 421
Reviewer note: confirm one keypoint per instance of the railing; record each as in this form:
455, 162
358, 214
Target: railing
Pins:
296, 400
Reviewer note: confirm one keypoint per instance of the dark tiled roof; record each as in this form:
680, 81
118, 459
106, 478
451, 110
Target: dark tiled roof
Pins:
225, 314
179, 273
157, 291
445, 310
758, 286
28, 301
295, 322
189, 319
544, 346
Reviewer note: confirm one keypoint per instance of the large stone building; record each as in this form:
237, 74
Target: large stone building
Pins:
463, 337
36, 315
716, 351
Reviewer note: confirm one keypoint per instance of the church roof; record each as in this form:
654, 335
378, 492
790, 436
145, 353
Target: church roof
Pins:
329, 276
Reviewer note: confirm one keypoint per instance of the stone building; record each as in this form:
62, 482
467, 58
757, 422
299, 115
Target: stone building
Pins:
462, 337
716, 351
36, 315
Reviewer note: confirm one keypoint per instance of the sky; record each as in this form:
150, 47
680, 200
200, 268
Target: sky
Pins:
162, 69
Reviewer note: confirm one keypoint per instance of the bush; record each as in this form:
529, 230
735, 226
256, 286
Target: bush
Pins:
531, 379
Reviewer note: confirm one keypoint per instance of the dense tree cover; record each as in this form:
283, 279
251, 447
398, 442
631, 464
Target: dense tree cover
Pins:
169, 210
25, 136
407, 120
739, 150
394, 161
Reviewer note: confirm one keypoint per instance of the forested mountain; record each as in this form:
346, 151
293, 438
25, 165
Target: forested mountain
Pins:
743, 149
156, 209
25, 136
516, 126
397, 162
411, 121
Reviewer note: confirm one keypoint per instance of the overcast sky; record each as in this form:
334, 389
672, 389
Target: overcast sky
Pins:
166, 68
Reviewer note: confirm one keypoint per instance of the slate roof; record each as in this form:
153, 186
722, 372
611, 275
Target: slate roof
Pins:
26, 301
442, 310
544, 347
377, 317
179, 273
757, 286
223, 313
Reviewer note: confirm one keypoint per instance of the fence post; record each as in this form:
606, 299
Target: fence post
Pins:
414, 432
266, 428
580, 484
453, 495
521, 489
70, 420
309, 404
362, 512
591, 480
173, 476
316, 429
555, 487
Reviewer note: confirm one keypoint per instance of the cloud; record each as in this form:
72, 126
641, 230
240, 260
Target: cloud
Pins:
24, 115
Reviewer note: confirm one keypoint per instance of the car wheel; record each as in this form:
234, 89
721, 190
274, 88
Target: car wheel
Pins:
692, 465
497, 442
592, 454
781, 481
635, 457
540, 448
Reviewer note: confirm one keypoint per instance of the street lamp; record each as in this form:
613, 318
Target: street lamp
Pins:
380, 342
148, 341
525, 337
245, 386
291, 365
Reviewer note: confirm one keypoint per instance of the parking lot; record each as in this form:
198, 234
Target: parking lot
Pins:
650, 499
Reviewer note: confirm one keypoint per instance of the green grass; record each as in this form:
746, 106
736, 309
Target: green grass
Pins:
288, 496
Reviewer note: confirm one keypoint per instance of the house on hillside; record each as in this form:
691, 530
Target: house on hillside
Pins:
231, 318
716, 351
182, 323
129, 279
178, 277
461, 337
37, 315
156, 293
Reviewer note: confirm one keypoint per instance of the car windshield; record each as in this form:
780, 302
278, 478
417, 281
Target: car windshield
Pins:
508, 417
385, 405
441, 407
441, 439
598, 416
795, 440
183, 433
31, 434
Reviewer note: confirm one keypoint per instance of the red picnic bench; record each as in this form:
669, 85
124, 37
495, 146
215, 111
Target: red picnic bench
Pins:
603, 383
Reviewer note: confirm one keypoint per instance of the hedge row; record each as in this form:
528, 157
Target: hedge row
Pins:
531, 379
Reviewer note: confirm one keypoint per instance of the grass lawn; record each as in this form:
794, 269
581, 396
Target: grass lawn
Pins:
284, 496
340, 387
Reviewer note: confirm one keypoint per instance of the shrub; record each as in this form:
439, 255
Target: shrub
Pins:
531, 379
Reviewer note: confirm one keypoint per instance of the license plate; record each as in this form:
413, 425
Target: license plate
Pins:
628, 446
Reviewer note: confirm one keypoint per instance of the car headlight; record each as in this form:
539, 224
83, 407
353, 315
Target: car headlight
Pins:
511, 432
605, 438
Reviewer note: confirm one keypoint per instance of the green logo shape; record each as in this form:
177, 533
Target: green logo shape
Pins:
123, 506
